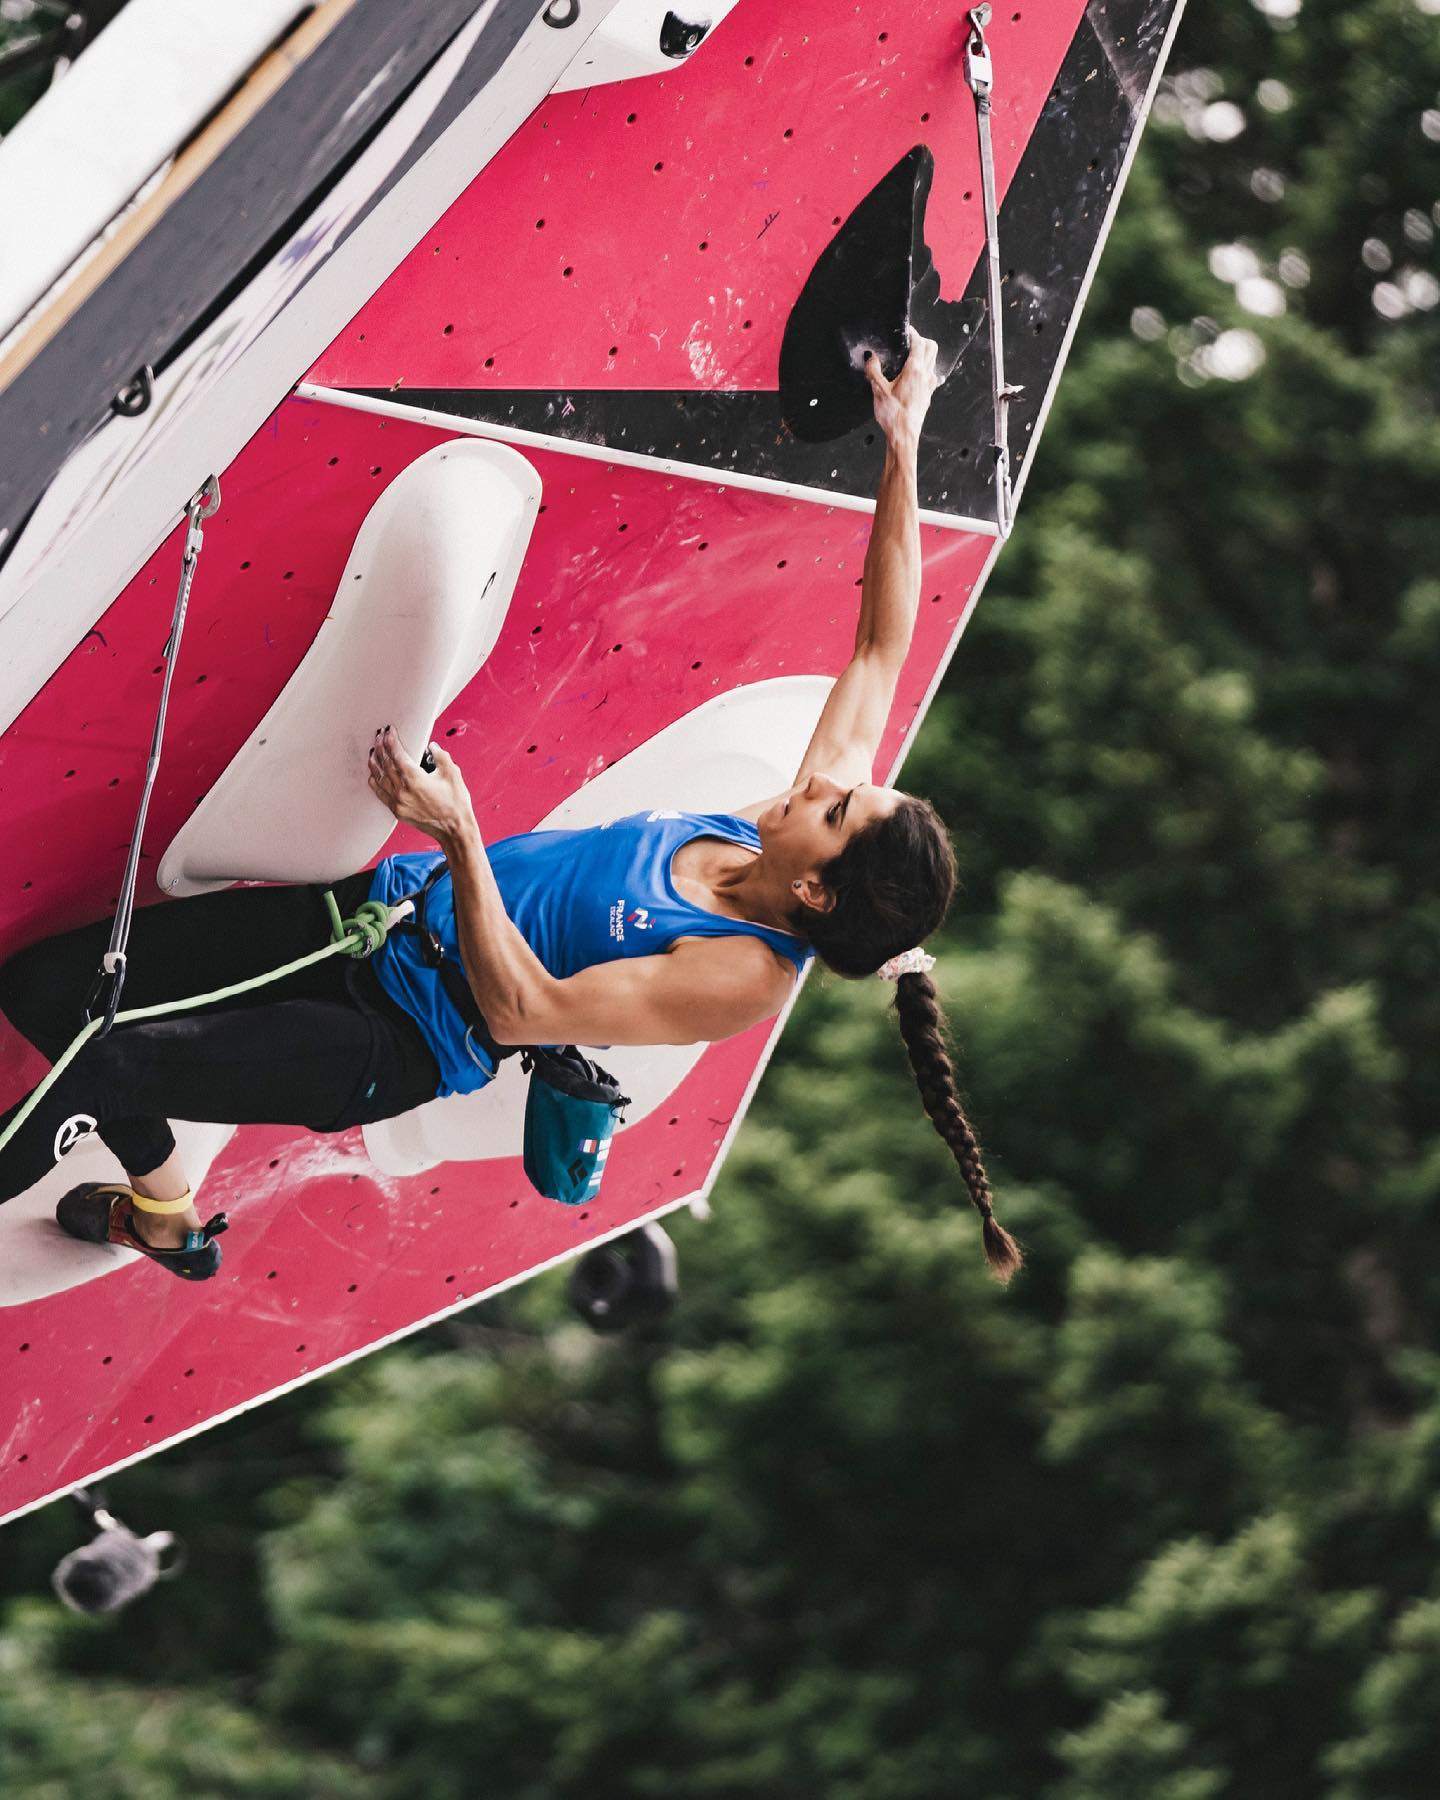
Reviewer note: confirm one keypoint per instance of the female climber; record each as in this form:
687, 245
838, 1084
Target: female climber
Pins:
720, 913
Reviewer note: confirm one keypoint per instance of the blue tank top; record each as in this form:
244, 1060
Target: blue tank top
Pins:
578, 898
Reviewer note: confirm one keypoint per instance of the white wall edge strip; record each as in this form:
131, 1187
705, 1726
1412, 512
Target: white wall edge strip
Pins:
632, 459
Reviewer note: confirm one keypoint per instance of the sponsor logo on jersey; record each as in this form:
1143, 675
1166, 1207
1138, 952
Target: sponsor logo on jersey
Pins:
663, 813
620, 918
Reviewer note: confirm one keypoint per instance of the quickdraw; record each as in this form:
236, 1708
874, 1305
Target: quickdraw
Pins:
980, 76
203, 505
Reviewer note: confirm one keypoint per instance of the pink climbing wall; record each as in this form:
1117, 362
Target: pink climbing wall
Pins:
642, 595
655, 234
643, 238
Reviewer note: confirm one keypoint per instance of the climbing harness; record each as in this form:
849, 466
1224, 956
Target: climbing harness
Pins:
203, 504
360, 936
480, 1046
572, 1106
979, 76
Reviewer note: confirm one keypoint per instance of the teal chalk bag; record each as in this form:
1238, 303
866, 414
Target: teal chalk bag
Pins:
571, 1111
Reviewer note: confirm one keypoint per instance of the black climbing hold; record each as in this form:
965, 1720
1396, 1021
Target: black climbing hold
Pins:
875, 274
135, 397
629, 1281
680, 37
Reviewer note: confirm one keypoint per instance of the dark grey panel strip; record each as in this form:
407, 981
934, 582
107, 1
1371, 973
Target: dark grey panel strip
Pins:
1050, 225
233, 218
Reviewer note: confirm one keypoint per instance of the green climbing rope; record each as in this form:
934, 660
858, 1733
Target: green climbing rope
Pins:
359, 936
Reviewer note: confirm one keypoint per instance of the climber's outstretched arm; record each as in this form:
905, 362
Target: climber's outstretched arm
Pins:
847, 737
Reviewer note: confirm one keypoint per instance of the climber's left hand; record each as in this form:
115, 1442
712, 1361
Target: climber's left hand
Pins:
438, 804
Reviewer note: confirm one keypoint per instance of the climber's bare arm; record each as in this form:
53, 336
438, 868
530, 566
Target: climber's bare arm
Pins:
701, 990
847, 738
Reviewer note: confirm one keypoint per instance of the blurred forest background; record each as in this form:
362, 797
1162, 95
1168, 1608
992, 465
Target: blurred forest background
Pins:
1159, 1523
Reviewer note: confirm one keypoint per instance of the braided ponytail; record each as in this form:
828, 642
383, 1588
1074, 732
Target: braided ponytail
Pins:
892, 885
922, 1026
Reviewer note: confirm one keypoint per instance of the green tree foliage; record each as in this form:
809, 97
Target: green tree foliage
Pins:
73, 1737
1159, 1522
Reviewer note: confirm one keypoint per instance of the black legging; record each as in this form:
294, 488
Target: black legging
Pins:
325, 1048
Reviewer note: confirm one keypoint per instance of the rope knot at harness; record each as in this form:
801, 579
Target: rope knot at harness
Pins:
371, 923
368, 928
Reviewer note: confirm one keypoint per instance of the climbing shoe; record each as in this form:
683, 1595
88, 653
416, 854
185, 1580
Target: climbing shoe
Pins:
103, 1212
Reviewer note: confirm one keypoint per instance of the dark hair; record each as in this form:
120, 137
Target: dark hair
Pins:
893, 883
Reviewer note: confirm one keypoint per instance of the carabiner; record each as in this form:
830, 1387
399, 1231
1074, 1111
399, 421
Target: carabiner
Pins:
112, 969
979, 71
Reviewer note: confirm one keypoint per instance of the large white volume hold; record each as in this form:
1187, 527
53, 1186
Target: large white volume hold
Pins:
417, 611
